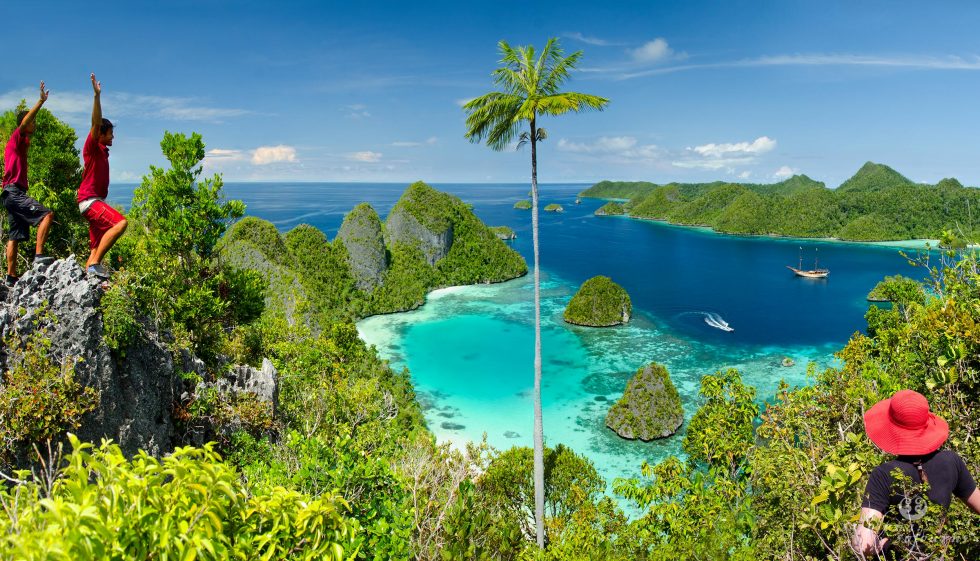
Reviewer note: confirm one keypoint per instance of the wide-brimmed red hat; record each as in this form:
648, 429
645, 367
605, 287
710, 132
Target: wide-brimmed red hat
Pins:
902, 425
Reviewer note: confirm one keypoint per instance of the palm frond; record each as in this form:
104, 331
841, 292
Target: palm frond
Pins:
559, 71
566, 102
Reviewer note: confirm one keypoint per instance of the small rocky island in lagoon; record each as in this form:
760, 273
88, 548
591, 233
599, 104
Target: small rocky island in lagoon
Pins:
523, 205
554, 207
505, 233
599, 302
650, 407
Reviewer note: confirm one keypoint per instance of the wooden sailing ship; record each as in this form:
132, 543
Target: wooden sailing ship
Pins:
815, 273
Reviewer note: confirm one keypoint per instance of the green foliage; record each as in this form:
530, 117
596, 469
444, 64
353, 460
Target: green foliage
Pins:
54, 172
523, 205
599, 302
40, 399
876, 204
574, 503
899, 290
189, 505
120, 327
618, 190
554, 207
612, 208
688, 513
177, 221
720, 433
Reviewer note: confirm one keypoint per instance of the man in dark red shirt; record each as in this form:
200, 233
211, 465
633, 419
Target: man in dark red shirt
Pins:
22, 210
105, 224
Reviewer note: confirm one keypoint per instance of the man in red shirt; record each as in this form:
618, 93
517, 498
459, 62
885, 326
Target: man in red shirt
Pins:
105, 224
22, 210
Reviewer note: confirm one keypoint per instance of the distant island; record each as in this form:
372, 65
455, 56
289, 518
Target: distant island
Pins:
523, 205
876, 204
429, 240
554, 207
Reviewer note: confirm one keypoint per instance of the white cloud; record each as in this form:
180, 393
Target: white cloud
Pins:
760, 145
356, 111
614, 149
224, 155
652, 51
785, 172
365, 156
602, 144
912, 62
725, 155
745, 175
411, 143
588, 40
264, 155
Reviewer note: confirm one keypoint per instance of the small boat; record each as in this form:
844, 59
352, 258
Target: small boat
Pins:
814, 273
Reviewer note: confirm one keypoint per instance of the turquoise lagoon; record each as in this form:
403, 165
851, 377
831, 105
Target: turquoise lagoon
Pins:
470, 349
470, 352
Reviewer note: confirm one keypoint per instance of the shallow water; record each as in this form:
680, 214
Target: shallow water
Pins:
470, 350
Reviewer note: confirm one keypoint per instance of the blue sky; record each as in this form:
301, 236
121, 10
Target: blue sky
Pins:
371, 91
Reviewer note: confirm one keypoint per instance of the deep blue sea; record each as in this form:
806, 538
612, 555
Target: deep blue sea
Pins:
470, 349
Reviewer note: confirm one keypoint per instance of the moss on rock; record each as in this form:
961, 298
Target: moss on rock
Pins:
650, 407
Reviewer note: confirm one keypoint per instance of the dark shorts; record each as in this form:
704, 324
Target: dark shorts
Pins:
101, 217
22, 212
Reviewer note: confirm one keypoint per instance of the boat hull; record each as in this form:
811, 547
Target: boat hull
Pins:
810, 274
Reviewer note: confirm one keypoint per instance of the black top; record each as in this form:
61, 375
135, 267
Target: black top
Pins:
945, 470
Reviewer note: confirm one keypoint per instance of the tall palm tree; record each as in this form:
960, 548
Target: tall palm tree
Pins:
530, 88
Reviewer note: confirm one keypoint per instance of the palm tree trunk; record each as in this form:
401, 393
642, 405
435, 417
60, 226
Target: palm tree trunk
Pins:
538, 424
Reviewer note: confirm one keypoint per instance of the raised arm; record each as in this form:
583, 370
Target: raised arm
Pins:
29, 118
96, 107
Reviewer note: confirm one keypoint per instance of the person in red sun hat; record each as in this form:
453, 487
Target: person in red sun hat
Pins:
903, 425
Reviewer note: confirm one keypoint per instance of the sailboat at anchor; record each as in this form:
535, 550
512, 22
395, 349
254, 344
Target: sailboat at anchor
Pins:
815, 273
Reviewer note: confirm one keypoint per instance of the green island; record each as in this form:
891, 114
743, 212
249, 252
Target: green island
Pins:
554, 207
599, 302
876, 204
504, 232
523, 205
650, 407
612, 208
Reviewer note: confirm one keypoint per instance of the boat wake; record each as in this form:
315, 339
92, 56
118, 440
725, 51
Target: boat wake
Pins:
716, 321
711, 318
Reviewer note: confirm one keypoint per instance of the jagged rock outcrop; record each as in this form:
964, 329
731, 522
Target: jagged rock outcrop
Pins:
136, 392
263, 382
362, 237
650, 407
416, 220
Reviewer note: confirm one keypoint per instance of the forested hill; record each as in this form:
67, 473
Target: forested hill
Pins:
877, 203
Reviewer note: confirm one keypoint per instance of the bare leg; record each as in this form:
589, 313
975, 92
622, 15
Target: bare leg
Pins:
42, 232
108, 239
12, 257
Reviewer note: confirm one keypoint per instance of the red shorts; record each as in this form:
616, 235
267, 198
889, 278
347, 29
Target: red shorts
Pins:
101, 217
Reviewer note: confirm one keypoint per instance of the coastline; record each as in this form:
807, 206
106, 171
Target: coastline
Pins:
920, 244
